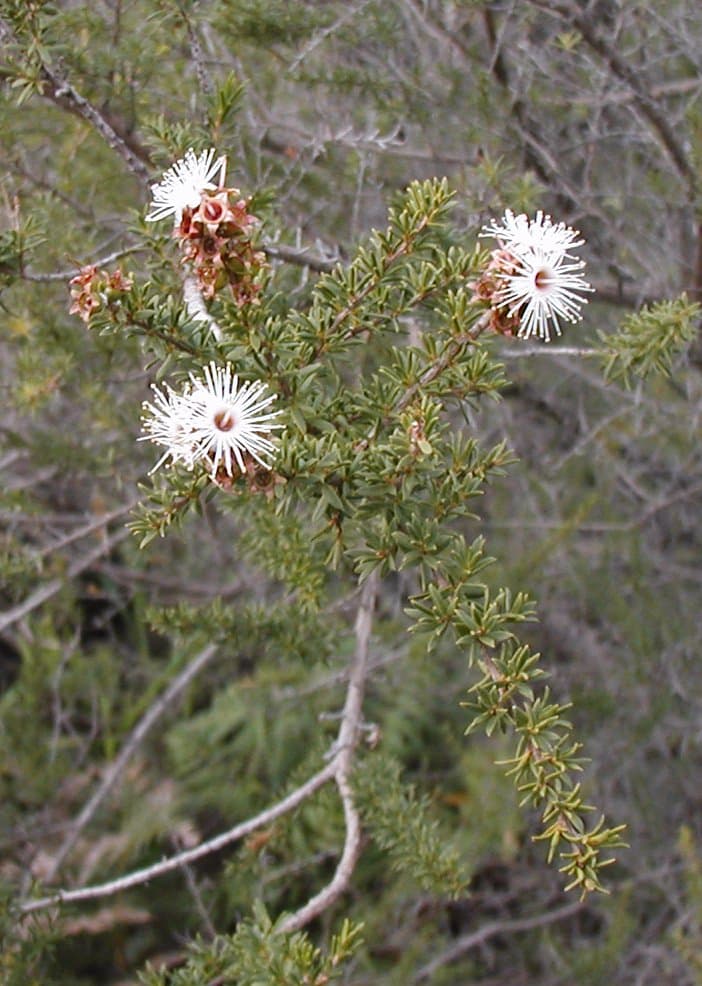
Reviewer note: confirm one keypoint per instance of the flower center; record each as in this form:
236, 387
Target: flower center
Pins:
224, 420
209, 245
543, 279
212, 211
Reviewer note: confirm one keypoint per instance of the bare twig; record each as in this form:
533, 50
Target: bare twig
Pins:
466, 942
63, 94
345, 745
132, 743
321, 35
138, 877
647, 106
49, 589
196, 306
60, 92
96, 524
66, 275
549, 351
339, 768
203, 77
279, 251
194, 891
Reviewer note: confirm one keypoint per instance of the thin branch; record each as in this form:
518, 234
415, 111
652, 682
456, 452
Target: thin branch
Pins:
63, 94
131, 745
549, 351
324, 33
446, 39
632, 79
196, 307
66, 275
138, 877
194, 891
467, 942
279, 251
454, 347
98, 522
203, 78
49, 589
345, 745
338, 768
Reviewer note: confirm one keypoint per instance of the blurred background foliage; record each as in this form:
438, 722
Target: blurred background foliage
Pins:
589, 110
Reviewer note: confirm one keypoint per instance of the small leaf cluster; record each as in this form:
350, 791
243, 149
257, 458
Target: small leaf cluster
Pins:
399, 822
260, 954
504, 699
24, 957
16, 246
649, 340
28, 45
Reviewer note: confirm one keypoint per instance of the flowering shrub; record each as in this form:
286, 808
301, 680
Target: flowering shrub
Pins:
265, 703
373, 472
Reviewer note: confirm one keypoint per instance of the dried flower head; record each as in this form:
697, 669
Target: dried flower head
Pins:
215, 421
215, 239
183, 183
93, 288
532, 280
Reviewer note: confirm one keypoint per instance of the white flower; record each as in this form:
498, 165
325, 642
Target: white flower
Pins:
228, 420
214, 420
184, 182
167, 422
541, 289
540, 280
519, 234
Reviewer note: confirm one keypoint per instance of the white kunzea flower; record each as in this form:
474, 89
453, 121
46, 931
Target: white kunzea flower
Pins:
215, 421
519, 234
540, 281
541, 290
166, 422
228, 419
184, 182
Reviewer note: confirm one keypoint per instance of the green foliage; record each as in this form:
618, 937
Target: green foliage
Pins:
16, 248
260, 954
26, 945
649, 340
399, 822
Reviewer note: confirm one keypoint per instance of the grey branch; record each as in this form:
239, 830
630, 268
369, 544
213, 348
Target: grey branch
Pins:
279, 251
522, 351
49, 589
133, 742
465, 943
63, 94
138, 877
66, 275
648, 108
60, 92
195, 305
345, 745
338, 768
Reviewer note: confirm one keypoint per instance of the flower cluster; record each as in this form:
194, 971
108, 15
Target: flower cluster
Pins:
92, 288
212, 225
533, 279
183, 183
217, 422
215, 239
